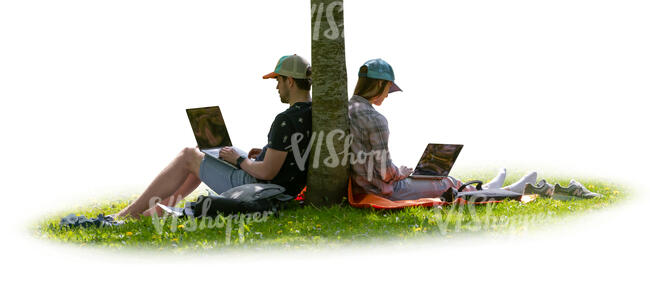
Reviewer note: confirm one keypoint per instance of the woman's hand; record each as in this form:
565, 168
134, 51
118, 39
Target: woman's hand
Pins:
229, 155
404, 172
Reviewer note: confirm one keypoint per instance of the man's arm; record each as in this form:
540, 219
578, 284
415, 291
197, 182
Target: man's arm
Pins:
279, 134
268, 168
264, 170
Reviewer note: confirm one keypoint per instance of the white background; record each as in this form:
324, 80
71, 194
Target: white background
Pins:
93, 96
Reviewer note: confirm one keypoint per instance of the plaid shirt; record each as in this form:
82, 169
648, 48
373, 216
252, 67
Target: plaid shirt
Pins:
372, 169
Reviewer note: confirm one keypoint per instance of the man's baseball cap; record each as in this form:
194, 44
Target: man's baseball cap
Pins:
290, 65
379, 69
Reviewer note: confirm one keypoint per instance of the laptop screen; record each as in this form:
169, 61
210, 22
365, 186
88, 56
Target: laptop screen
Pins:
437, 159
209, 128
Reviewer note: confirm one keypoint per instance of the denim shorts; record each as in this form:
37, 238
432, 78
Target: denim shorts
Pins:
221, 177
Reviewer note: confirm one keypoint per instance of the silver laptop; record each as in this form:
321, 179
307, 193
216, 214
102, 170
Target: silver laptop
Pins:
210, 131
437, 161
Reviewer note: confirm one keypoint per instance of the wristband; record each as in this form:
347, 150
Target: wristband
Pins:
239, 161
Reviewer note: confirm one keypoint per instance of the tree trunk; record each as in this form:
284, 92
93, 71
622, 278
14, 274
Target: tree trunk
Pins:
327, 177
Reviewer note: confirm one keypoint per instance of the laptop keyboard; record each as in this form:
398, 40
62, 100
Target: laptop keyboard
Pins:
214, 151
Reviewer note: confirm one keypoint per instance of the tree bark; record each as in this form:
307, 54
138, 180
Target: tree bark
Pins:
327, 177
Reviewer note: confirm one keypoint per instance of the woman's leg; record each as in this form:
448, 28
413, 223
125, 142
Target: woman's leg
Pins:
518, 186
167, 182
498, 181
413, 188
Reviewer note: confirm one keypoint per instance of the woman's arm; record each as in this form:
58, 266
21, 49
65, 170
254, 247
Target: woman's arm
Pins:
378, 138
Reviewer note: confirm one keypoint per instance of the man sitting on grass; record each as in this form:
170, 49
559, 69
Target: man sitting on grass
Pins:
272, 164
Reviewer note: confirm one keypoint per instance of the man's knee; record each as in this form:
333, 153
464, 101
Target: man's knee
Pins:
188, 151
192, 158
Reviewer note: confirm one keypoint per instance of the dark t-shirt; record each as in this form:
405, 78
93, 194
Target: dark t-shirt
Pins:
294, 122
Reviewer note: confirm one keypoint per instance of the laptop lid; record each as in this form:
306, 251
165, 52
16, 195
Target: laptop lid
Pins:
437, 160
209, 127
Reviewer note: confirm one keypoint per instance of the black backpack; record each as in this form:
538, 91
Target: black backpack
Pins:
248, 198
480, 194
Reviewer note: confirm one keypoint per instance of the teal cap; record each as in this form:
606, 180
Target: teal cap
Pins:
379, 69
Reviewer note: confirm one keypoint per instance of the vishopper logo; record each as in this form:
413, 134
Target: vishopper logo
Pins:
334, 158
335, 30
190, 223
457, 212
463, 217
455, 217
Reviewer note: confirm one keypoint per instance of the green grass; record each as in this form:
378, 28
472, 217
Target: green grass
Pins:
339, 225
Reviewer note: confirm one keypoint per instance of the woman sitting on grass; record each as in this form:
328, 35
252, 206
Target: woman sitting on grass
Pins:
369, 130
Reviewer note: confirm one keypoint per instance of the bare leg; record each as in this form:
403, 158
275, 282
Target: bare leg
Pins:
167, 182
188, 187
190, 184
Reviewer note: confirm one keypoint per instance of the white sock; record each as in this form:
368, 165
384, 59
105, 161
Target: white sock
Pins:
497, 182
519, 185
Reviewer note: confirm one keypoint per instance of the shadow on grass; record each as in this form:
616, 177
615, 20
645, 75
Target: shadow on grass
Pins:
333, 227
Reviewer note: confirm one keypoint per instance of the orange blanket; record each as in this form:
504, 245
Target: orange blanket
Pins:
377, 202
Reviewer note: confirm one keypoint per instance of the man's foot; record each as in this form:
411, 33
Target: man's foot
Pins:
115, 217
122, 216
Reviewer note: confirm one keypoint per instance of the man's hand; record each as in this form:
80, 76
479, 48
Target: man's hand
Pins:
404, 172
229, 155
254, 153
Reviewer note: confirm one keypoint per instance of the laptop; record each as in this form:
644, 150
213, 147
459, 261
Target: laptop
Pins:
210, 131
437, 161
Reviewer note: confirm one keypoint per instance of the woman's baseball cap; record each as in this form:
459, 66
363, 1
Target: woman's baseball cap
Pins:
379, 69
290, 65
